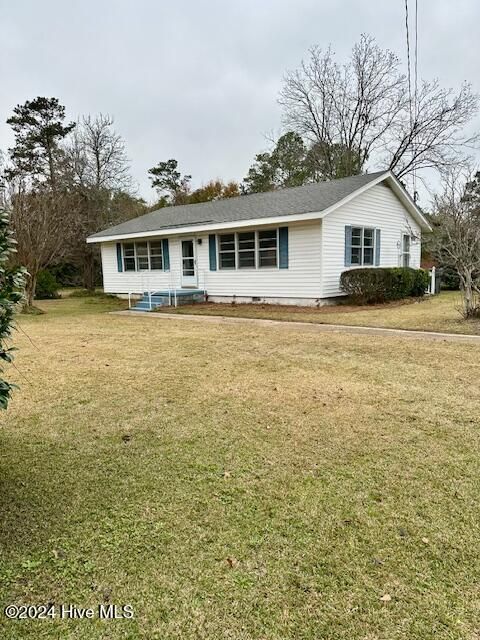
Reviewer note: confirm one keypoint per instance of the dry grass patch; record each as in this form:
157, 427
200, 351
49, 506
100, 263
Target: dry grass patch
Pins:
240, 481
436, 313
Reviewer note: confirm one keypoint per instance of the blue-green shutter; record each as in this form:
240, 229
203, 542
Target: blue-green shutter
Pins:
119, 257
212, 251
377, 247
166, 255
283, 247
348, 246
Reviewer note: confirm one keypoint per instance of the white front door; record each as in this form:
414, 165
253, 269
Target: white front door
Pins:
189, 263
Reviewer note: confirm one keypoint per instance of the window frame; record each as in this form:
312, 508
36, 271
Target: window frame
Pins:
244, 251
267, 249
362, 246
221, 252
155, 255
406, 254
257, 250
148, 256
130, 257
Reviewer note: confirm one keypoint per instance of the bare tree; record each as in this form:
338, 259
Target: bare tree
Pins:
40, 206
98, 154
41, 224
98, 170
435, 137
456, 241
363, 106
65, 181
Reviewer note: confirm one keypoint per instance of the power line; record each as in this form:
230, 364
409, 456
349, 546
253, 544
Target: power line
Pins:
408, 61
413, 101
416, 56
415, 92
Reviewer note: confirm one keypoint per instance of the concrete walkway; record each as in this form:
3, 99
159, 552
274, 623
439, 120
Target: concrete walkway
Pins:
310, 326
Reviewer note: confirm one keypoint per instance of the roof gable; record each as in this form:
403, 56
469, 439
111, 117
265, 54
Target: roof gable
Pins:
398, 189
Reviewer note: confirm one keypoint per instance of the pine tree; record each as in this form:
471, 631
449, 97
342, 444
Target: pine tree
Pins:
38, 126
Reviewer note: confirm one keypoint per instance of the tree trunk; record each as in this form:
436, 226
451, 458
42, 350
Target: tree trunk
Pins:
89, 270
30, 287
468, 301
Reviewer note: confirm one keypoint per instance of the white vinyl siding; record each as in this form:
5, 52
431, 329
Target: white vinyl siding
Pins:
316, 254
378, 207
302, 279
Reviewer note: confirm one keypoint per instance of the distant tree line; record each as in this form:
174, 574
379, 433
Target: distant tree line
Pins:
63, 181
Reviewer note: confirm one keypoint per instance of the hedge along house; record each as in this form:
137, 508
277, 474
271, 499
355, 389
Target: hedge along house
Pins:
286, 247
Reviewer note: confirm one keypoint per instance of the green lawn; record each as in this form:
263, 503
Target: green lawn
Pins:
239, 481
436, 313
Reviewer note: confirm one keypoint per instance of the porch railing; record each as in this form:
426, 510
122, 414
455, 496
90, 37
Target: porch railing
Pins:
174, 283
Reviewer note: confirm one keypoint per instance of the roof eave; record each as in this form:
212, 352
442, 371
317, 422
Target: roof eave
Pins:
205, 228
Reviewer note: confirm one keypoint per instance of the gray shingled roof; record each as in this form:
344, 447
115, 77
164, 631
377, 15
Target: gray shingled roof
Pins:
284, 202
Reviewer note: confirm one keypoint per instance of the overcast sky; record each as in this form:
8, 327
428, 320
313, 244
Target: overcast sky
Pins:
198, 80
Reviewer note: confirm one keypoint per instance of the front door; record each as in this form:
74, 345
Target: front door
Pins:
189, 264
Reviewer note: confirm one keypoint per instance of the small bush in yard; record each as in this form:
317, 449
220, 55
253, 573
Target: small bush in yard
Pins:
47, 286
370, 285
421, 282
450, 278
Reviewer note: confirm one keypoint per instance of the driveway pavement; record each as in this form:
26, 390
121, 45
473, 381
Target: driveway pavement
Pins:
310, 326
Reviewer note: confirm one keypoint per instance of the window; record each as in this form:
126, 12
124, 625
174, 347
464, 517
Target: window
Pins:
129, 256
368, 243
226, 251
267, 248
363, 246
405, 250
141, 250
142, 256
248, 249
357, 234
156, 255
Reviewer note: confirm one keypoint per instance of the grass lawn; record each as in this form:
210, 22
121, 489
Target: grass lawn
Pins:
438, 313
239, 482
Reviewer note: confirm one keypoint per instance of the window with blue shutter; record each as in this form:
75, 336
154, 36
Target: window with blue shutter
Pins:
362, 246
212, 251
283, 247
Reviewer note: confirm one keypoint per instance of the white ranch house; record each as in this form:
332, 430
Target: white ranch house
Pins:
287, 247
